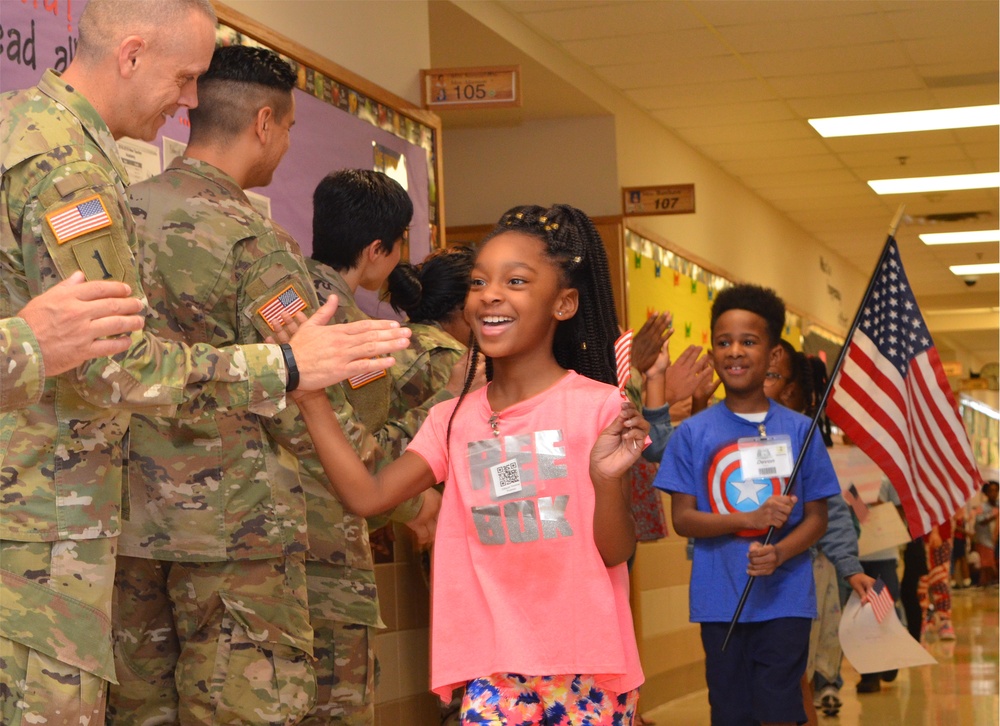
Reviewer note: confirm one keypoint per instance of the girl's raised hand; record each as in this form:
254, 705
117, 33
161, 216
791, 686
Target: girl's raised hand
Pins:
619, 445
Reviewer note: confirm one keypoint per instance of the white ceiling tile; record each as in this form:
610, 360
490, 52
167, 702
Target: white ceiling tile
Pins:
725, 13
968, 57
648, 46
776, 31
752, 112
839, 58
763, 150
677, 72
745, 133
608, 20
783, 164
954, 18
860, 101
808, 85
698, 94
802, 179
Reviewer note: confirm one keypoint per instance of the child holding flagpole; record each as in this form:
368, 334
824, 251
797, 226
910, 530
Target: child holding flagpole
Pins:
724, 469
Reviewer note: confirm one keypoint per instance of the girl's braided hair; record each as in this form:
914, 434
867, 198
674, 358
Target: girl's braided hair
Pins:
585, 342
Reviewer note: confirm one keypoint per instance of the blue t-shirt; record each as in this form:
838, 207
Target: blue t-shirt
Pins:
702, 460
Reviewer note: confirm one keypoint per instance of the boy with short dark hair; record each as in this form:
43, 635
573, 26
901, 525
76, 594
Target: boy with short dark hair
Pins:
725, 469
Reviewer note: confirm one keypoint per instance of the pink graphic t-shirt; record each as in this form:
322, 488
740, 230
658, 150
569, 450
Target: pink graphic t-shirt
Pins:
518, 584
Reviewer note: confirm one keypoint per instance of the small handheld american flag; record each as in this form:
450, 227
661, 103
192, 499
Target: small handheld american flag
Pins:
880, 600
853, 498
623, 360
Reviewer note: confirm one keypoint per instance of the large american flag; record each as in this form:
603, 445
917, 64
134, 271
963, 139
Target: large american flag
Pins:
893, 399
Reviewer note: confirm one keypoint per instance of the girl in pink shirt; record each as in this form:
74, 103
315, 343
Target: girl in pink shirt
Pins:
530, 604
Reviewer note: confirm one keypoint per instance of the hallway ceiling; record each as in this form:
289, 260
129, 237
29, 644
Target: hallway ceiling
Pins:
737, 80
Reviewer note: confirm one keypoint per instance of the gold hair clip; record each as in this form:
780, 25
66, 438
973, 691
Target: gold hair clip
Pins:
577, 260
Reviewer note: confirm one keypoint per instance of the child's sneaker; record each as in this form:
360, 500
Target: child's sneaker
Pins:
946, 631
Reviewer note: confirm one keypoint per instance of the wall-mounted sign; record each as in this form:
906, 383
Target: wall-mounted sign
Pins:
952, 368
485, 87
673, 199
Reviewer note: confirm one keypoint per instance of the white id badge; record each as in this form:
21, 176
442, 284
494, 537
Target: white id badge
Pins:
506, 478
766, 457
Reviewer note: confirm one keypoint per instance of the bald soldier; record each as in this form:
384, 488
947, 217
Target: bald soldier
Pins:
60, 329
62, 209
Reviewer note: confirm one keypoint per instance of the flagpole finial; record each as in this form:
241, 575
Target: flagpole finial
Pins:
894, 224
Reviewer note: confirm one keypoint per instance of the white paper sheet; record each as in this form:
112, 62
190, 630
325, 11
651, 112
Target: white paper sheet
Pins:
873, 647
883, 529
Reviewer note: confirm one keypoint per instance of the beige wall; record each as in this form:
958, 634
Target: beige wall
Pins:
487, 171
386, 42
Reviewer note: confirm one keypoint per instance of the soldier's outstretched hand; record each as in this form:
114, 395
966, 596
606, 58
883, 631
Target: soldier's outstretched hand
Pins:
328, 354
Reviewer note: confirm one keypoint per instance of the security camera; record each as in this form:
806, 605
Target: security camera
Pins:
971, 280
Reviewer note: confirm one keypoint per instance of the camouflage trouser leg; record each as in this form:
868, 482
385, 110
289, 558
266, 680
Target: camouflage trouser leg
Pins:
55, 631
146, 646
246, 641
345, 674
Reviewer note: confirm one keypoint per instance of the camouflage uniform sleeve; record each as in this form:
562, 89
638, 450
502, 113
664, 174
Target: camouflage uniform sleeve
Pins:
21, 372
155, 376
418, 385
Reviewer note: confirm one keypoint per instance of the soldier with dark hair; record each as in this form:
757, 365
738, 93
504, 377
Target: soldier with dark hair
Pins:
63, 209
360, 218
211, 580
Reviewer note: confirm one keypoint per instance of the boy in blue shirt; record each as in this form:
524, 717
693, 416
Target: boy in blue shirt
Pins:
725, 469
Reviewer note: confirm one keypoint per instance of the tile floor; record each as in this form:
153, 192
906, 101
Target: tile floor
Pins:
961, 690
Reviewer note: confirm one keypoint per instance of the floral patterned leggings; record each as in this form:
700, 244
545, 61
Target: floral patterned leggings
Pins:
566, 700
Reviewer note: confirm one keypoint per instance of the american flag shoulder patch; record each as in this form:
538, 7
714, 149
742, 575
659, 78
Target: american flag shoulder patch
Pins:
287, 301
365, 378
78, 219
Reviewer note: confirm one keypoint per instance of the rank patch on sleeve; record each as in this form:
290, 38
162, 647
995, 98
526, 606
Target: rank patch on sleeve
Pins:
287, 301
364, 378
78, 219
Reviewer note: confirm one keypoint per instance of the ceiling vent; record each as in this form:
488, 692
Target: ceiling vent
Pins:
947, 217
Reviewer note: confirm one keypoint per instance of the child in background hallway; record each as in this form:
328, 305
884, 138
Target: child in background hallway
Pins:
985, 537
960, 551
799, 384
432, 294
530, 591
727, 502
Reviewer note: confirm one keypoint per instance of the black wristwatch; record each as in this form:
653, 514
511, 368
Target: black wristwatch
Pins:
291, 369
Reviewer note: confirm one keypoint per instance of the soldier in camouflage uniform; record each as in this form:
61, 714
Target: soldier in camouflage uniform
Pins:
62, 209
60, 329
211, 617
359, 218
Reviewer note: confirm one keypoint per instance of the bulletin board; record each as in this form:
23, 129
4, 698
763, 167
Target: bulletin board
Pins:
658, 279
342, 120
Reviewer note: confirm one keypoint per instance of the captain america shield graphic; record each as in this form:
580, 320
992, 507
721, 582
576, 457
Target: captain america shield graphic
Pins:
729, 493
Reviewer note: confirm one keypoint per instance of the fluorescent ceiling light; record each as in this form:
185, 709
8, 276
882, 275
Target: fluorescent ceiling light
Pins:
894, 123
956, 238
935, 183
986, 268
